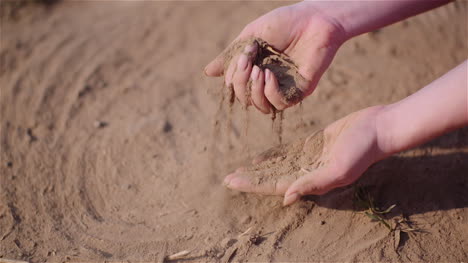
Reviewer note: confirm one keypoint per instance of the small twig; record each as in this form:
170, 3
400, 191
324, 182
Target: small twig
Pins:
178, 255
232, 254
4, 260
245, 232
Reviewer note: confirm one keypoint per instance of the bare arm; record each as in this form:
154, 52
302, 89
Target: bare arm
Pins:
440, 107
358, 17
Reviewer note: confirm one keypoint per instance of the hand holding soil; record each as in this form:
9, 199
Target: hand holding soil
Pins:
327, 159
294, 43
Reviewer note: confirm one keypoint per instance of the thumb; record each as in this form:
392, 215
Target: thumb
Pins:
317, 182
216, 67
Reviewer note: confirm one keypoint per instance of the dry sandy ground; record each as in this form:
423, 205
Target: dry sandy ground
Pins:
110, 148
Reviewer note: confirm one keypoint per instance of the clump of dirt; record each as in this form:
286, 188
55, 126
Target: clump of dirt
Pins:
288, 160
267, 57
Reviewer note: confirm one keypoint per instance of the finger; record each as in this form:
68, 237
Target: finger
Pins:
230, 72
216, 67
272, 91
241, 77
259, 183
317, 182
258, 86
243, 72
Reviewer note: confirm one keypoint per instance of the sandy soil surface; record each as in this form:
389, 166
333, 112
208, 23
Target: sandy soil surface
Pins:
114, 145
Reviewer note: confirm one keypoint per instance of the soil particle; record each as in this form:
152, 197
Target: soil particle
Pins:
31, 136
167, 127
99, 124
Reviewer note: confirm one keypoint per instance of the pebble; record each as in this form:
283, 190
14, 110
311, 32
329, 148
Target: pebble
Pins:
100, 124
167, 127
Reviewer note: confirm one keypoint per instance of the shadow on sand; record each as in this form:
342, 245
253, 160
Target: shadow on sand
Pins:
415, 184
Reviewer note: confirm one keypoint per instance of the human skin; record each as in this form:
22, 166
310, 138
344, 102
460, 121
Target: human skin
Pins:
362, 138
310, 33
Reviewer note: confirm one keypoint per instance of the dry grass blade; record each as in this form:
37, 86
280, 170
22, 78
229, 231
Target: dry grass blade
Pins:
386, 210
245, 232
379, 219
4, 260
364, 200
397, 239
179, 255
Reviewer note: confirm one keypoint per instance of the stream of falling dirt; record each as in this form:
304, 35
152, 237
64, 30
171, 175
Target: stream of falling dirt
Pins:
277, 124
223, 125
246, 145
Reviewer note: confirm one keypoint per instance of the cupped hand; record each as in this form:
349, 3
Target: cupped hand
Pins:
308, 37
347, 148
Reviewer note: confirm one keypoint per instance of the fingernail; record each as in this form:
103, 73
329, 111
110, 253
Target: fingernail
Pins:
242, 62
291, 198
267, 74
255, 73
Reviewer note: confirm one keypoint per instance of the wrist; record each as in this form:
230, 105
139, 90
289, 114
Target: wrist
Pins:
338, 14
356, 17
325, 12
383, 127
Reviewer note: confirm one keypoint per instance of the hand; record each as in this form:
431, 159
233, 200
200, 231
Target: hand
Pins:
310, 39
326, 160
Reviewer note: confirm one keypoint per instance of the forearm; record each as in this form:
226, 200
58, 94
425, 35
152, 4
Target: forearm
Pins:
358, 17
440, 107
